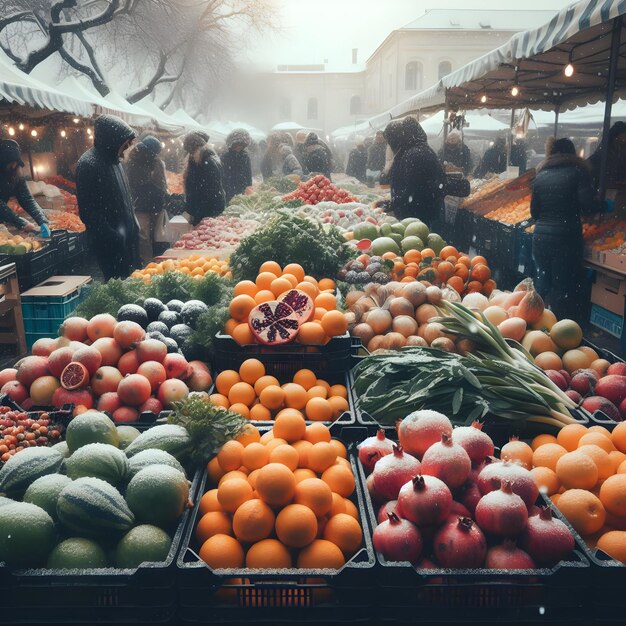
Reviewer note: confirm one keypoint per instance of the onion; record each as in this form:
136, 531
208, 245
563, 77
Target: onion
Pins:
375, 343
394, 341
495, 314
364, 332
443, 343
415, 293
405, 325
449, 294
425, 312
415, 340
401, 306
379, 320
465, 346
434, 331
476, 301
352, 297
433, 294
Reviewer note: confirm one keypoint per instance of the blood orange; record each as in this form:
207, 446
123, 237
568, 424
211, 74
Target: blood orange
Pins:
273, 323
301, 303
74, 376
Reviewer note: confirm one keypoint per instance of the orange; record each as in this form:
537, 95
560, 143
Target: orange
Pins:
270, 445
292, 280
614, 544
547, 455
290, 426
326, 301
295, 270
465, 260
240, 307
447, 251
576, 470
546, 480
338, 390
617, 458
238, 473
252, 479
255, 455
225, 380
264, 280
517, 451
253, 521
209, 502
230, 325
305, 378
428, 253
272, 397
229, 456
319, 410
319, 313
570, 435
321, 456
303, 473
265, 381
267, 437
265, 295
340, 449
478, 260
242, 392
249, 434
317, 432
413, 256
318, 391
334, 323
279, 286
322, 383
481, 273
597, 439
222, 551
539, 440
275, 484
339, 405
259, 413
310, 289
613, 494
601, 459
321, 554
213, 523
287, 455
340, 479
327, 284
268, 554
241, 408
351, 509
597, 428
302, 448
315, 494
342, 461
312, 333
456, 283
339, 505
583, 510
271, 266
243, 335
345, 532
295, 396
214, 470
618, 437
296, 525
245, 288
233, 493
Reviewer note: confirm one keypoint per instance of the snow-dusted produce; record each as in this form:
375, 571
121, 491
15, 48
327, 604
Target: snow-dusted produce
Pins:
214, 233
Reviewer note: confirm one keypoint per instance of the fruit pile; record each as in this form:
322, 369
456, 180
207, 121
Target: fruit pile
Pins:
194, 265
605, 235
482, 189
80, 519
512, 212
18, 244
214, 233
583, 470
259, 397
19, 431
70, 202
282, 305
174, 182
318, 189
62, 220
280, 500
441, 504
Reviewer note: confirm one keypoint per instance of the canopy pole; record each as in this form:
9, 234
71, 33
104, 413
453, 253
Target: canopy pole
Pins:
445, 118
616, 33
556, 120
509, 143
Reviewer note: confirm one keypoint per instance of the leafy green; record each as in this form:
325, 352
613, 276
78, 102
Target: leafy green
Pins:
172, 286
110, 296
281, 184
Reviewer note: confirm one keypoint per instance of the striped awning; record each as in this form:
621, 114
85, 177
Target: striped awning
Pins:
534, 60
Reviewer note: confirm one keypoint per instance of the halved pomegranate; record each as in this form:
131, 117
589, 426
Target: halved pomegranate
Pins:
273, 323
74, 376
301, 303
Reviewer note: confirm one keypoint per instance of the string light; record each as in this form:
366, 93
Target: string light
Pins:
515, 91
162, 144
33, 133
11, 131
568, 70
483, 98
21, 126
63, 133
89, 131
76, 120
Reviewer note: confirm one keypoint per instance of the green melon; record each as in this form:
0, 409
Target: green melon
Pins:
169, 437
417, 229
398, 228
127, 435
411, 243
144, 543
365, 230
435, 242
385, 230
384, 244
91, 427
4, 501
45, 491
409, 220
152, 457
63, 448
99, 460
77, 553
26, 466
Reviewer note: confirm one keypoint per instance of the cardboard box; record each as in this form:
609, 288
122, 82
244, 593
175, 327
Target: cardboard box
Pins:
56, 286
609, 292
607, 258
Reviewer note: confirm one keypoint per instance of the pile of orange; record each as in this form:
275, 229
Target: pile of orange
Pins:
259, 397
280, 500
271, 283
195, 265
583, 470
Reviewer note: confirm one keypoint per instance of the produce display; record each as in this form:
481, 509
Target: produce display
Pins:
346, 216
319, 189
215, 233
63, 220
281, 499
259, 397
607, 234
442, 505
480, 189
117, 503
195, 265
18, 244
512, 212
175, 182
61, 182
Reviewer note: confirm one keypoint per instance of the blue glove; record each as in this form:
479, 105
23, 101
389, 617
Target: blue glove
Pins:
610, 206
45, 231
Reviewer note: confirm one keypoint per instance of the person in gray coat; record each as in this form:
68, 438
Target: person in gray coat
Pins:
291, 165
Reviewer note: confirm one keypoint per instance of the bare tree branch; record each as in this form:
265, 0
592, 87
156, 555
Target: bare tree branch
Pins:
98, 83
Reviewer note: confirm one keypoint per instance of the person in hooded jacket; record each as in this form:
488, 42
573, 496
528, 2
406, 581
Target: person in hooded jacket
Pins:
298, 148
148, 188
456, 153
204, 194
104, 199
236, 166
290, 165
357, 161
616, 162
494, 159
416, 176
13, 185
562, 192
317, 156
376, 156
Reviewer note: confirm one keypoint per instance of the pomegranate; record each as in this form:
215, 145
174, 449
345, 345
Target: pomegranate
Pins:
109, 349
566, 375
618, 369
459, 510
474, 441
301, 303
421, 429
127, 334
125, 414
42, 390
460, 544
75, 376
547, 539
447, 461
502, 513
518, 452
7, 375
176, 366
274, 323
89, 357
392, 471
128, 363
397, 539
172, 391
101, 325
470, 496
134, 390
374, 448
611, 387
425, 501
557, 378
200, 379
151, 405
521, 480
508, 556
154, 372
369, 483
385, 510
79, 397
15, 390
583, 382
599, 403
106, 379
59, 360
74, 329
109, 402
574, 396
43, 347
31, 368
151, 350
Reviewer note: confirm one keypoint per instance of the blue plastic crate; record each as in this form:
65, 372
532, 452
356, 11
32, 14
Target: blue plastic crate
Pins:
37, 307
47, 325
32, 337
607, 320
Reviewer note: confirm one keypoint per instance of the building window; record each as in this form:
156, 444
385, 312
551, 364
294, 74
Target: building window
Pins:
445, 67
413, 76
355, 105
311, 109
285, 108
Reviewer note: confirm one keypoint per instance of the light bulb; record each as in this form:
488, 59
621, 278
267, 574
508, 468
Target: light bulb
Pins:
514, 91
63, 133
21, 126
162, 144
76, 120
483, 98
33, 133
89, 131
568, 70
11, 131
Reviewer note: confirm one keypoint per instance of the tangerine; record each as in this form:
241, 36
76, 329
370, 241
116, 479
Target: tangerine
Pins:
289, 426
295, 270
249, 434
326, 301
255, 455
243, 335
264, 280
214, 470
279, 286
481, 273
319, 410
315, 494
241, 408
240, 307
272, 397
305, 378
233, 493
296, 525
478, 260
275, 484
287, 455
345, 532
613, 543
253, 521
268, 554
539, 440
265, 295
242, 392
576, 470
312, 334
303, 473
618, 437
229, 456
295, 396
584, 511
245, 288
570, 435
225, 380
617, 458
338, 390
263, 382
457, 283
351, 509
321, 456
260, 413
601, 459
209, 502
303, 448
340, 449
238, 473
598, 439
547, 455
310, 289
546, 480
340, 479
334, 323
321, 554
318, 391
271, 266
317, 432
339, 405
213, 523
222, 551
613, 494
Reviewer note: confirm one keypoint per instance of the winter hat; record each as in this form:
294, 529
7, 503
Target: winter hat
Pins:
562, 146
454, 138
194, 140
284, 149
311, 139
152, 144
10, 152
301, 136
238, 136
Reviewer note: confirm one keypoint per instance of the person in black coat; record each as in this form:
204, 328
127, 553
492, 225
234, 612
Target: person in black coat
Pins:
204, 194
13, 185
494, 159
357, 161
456, 153
104, 199
236, 166
376, 156
317, 156
616, 163
562, 192
416, 176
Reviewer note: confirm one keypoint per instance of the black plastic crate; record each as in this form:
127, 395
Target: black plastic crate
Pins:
485, 236
35, 267
525, 263
463, 230
59, 241
603, 353
249, 596
507, 245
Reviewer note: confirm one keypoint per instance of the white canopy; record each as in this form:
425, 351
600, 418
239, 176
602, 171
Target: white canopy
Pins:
586, 115
478, 124
346, 132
